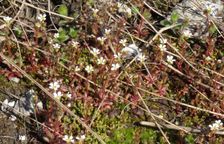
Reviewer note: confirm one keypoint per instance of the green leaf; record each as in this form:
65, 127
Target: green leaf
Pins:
62, 22
212, 29
90, 2
17, 31
190, 139
73, 32
63, 10
147, 14
149, 136
174, 17
165, 22
135, 10
63, 36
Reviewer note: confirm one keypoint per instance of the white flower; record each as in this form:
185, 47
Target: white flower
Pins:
81, 138
54, 85
22, 137
7, 19
77, 68
75, 44
12, 118
170, 59
101, 40
38, 25
89, 68
208, 58
40, 105
95, 52
219, 61
56, 35
128, 12
101, 61
130, 50
115, 66
141, 57
187, 33
50, 41
107, 31
162, 47
69, 95
163, 41
117, 56
56, 46
69, 104
57, 95
41, 17
123, 8
216, 125
123, 42
95, 11
68, 138
119, 4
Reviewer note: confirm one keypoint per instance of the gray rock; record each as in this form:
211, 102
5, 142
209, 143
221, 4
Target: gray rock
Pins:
194, 11
21, 107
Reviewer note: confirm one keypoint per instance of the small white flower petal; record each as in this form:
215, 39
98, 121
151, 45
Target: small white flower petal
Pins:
115, 66
162, 47
101, 61
40, 105
65, 138
89, 69
57, 46
57, 95
77, 68
123, 8
22, 137
141, 57
187, 33
107, 31
95, 11
69, 104
41, 17
69, 95
54, 85
56, 35
208, 58
80, 138
101, 40
7, 19
68, 138
123, 42
170, 59
95, 52
163, 41
75, 44
117, 56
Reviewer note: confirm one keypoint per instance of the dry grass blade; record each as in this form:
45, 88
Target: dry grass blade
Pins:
165, 126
